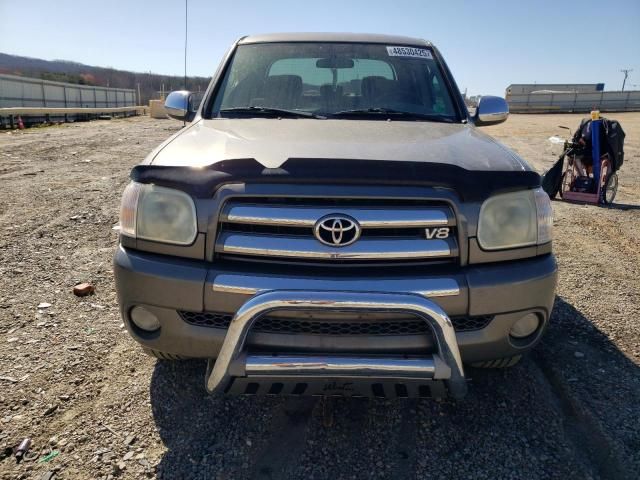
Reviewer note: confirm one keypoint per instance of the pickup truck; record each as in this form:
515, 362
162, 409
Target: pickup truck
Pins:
332, 221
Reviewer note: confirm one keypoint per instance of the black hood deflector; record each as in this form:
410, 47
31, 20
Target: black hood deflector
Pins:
470, 185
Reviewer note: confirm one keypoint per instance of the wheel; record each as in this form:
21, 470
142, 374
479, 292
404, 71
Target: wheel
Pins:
610, 189
505, 362
563, 184
162, 355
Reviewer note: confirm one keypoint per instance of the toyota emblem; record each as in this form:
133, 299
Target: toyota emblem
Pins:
337, 230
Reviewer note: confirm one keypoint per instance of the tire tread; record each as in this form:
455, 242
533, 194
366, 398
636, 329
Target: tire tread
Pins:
505, 362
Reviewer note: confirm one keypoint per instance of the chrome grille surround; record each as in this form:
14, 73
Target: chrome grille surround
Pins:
282, 229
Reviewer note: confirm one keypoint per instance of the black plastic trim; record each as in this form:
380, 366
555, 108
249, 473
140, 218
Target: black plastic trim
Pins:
471, 185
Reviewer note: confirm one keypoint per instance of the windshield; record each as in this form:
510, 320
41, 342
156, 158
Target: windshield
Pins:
343, 80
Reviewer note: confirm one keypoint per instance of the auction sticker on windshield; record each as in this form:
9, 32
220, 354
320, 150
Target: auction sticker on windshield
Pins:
409, 52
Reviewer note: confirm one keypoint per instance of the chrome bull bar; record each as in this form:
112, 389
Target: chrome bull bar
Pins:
233, 361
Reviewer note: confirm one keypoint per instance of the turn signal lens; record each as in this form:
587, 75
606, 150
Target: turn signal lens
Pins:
128, 209
545, 216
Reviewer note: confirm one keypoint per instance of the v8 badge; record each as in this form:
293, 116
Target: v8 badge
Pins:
437, 232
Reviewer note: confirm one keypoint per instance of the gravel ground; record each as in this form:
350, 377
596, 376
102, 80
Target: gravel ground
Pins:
73, 381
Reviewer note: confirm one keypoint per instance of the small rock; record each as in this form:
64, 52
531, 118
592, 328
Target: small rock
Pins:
119, 467
130, 439
578, 354
83, 289
128, 456
44, 305
50, 410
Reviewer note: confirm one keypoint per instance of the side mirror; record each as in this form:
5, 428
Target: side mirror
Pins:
179, 105
491, 110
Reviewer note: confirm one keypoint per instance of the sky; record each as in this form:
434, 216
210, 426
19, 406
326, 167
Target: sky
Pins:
487, 44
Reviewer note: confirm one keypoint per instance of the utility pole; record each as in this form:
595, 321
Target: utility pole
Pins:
626, 72
186, 13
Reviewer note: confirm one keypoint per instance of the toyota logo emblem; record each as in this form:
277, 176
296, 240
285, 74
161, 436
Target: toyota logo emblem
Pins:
337, 230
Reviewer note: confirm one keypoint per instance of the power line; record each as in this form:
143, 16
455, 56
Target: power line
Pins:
186, 17
626, 72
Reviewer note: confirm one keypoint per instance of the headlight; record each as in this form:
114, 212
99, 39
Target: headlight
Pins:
515, 219
159, 214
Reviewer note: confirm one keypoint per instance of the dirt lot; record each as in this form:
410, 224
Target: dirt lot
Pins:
73, 380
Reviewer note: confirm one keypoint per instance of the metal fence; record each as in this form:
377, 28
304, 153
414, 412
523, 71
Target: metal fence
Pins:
32, 92
525, 88
574, 102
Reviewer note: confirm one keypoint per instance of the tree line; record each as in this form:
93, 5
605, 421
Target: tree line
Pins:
150, 84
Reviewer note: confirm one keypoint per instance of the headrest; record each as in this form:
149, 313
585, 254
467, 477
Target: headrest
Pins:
282, 90
371, 86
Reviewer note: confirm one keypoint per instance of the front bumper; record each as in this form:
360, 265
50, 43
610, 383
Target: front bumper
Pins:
166, 285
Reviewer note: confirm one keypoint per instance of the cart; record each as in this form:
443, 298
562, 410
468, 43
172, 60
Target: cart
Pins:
600, 185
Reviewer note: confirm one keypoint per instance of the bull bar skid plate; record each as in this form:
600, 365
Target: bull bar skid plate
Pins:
234, 362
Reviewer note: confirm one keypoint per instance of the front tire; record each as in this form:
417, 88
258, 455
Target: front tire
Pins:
162, 355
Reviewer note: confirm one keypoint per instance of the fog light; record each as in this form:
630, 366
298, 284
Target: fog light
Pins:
525, 326
144, 319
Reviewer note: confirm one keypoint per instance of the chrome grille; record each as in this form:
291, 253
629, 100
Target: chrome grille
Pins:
326, 327
282, 229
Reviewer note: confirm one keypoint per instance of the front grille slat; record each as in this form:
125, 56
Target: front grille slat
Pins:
329, 328
282, 229
289, 246
306, 216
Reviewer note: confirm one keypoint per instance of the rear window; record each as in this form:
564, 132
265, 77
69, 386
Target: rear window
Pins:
347, 78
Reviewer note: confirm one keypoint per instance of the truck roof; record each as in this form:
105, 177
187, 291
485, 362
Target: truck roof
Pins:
334, 37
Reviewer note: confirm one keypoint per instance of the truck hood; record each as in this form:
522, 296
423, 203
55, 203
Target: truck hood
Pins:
272, 141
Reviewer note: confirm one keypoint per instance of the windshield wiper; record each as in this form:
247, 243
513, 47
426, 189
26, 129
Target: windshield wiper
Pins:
378, 111
269, 111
